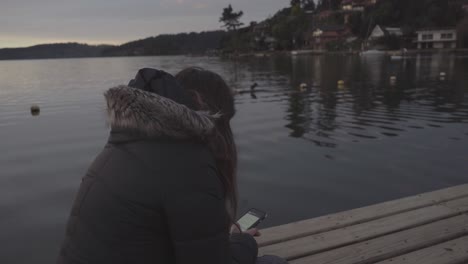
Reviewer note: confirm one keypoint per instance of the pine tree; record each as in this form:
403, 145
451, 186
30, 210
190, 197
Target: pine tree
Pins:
231, 18
295, 2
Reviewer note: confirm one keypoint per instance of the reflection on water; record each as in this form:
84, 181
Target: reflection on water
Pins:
303, 152
369, 105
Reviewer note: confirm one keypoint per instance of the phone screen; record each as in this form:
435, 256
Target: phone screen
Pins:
251, 219
247, 221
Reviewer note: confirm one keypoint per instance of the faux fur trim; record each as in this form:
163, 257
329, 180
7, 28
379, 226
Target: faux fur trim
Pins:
155, 116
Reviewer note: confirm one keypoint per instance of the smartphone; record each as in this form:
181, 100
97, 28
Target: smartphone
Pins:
251, 219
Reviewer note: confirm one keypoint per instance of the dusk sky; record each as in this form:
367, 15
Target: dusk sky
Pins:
29, 22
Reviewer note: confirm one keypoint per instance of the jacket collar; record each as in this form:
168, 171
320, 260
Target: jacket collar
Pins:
144, 113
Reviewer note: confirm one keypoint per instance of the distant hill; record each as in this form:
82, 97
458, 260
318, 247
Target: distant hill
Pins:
177, 44
45, 51
183, 43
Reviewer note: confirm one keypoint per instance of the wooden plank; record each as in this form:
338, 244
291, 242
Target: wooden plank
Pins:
360, 215
452, 252
459, 205
309, 245
392, 245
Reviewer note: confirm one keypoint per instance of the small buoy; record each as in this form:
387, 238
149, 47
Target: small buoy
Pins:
35, 110
442, 76
303, 86
341, 82
253, 86
393, 78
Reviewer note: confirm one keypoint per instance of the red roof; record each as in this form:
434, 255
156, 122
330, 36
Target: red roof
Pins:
330, 34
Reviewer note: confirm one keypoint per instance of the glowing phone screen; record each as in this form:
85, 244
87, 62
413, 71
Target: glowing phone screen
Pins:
247, 221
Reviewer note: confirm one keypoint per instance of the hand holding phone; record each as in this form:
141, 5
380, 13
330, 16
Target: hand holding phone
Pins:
250, 220
253, 232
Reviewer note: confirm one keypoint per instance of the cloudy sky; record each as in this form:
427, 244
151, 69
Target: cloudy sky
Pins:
29, 22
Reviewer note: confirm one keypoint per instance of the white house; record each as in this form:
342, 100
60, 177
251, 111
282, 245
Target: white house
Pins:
347, 7
380, 31
441, 38
356, 5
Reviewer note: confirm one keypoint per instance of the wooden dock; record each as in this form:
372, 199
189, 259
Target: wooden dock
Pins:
424, 229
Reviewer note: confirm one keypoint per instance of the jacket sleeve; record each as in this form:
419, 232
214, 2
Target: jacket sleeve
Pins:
198, 223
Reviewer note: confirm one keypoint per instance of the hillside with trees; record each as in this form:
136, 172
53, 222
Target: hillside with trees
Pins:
285, 27
292, 27
184, 43
177, 44
409, 15
62, 50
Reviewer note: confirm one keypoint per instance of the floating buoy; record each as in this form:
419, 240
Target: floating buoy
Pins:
303, 86
341, 82
35, 110
393, 80
442, 76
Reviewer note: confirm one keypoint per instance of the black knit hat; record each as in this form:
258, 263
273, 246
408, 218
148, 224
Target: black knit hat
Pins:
161, 83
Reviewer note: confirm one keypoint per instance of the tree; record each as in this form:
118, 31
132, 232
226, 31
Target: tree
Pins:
295, 3
463, 33
328, 4
303, 4
357, 25
231, 18
296, 10
308, 5
289, 29
390, 42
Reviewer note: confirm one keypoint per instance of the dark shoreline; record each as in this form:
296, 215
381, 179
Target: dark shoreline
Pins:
264, 54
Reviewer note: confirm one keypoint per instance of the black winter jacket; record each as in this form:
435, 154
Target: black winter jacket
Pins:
153, 195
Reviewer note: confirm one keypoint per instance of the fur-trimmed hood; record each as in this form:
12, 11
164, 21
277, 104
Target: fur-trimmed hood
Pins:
155, 116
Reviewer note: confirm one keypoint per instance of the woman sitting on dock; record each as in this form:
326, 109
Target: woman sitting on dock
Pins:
164, 188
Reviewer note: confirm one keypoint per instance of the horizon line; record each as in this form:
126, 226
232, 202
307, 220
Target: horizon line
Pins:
105, 44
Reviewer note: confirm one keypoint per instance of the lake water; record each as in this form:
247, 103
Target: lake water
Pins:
302, 153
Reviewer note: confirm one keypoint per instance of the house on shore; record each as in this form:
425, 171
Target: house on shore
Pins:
260, 29
376, 39
320, 36
349, 7
436, 38
324, 15
262, 37
356, 5
381, 31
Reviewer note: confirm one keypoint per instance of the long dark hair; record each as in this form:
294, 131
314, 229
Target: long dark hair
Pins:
209, 92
